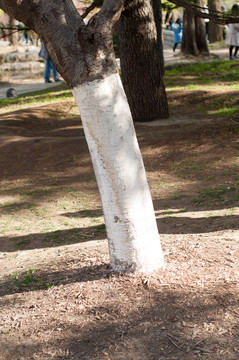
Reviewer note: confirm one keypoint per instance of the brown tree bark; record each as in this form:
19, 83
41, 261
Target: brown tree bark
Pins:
194, 40
189, 43
201, 39
215, 30
13, 34
141, 61
158, 18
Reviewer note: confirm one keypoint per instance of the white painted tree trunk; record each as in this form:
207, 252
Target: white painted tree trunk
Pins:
134, 242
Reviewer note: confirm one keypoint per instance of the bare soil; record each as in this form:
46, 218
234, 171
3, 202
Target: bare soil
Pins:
59, 297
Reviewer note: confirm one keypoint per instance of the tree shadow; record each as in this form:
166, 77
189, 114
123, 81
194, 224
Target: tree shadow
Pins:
37, 280
187, 225
53, 238
85, 213
172, 323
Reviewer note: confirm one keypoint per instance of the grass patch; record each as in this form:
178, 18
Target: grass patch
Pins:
54, 94
185, 169
29, 281
220, 76
225, 111
101, 228
216, 194
56, 238
177, 196
218, 67
196, 166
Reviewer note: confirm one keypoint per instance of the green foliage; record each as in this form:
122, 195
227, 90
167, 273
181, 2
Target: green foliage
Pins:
167, 5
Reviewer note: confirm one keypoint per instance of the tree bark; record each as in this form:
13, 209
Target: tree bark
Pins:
189, 43
13, 36
158, 18
131, 227
216, 30
194, 40
200, 29
84, 56
140, 51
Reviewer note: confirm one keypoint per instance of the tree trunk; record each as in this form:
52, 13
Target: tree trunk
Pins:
216, 30
189, 43
158, 18
194, 40
200, 28
141, 61
84, 56
13, 34
129, 215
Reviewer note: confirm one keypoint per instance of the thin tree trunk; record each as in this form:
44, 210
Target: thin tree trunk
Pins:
216, 30
13, 37
141, 62
200, 31
157, 9
189, 43
132, 233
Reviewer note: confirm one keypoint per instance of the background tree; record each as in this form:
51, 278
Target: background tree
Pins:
140, 44
197, 41
215, 30
84, 56
194, 40
13, 34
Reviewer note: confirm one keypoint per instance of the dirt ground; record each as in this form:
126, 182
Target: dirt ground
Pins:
59, 297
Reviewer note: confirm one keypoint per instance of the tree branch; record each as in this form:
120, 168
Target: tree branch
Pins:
91, 7
216, 16
111, 10
72, 15
4, 7
30, 11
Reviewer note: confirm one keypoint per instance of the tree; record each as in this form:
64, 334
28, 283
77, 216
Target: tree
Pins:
84, 56
194, 35
13, 35
216, 30
140, 44
216, 16
139, 34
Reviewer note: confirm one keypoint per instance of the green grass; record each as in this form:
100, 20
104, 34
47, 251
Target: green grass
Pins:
56, 238
225, 111
29, 280
185, 169
59, 93
215, 194
202, 80
221, 73
215, 67
196, 166
177, 196
162, 184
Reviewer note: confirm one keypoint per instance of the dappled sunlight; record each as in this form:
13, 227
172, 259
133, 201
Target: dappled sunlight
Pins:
56, 285
73, 299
